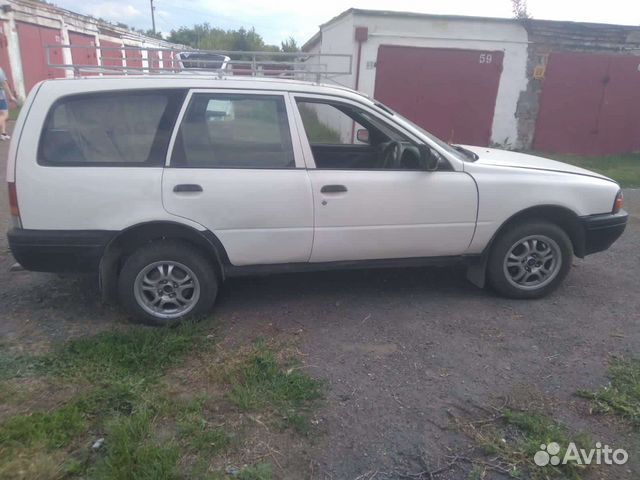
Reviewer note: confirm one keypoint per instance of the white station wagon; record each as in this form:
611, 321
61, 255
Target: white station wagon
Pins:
166, 185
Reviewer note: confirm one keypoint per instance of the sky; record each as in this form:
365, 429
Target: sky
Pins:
279, 19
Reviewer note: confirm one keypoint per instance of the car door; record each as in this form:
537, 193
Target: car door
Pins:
235, 167
365, 213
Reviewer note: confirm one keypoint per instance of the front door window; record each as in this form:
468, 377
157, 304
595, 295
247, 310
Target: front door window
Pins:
345, 137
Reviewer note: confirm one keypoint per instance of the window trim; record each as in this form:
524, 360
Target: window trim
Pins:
174, 95
332, 99
293, 130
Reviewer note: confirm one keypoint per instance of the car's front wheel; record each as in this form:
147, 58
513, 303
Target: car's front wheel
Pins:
529, 260
165, 282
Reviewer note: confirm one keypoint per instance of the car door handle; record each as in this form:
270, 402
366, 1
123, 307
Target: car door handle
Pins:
333, 189
187, 187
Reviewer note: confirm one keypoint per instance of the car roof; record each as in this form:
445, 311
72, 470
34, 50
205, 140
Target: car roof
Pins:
187, 80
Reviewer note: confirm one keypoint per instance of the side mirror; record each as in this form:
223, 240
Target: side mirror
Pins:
362, 135
428, 158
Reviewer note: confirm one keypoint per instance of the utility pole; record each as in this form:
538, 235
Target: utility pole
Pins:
153, 17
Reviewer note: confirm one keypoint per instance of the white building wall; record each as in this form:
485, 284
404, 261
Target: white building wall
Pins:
420, 31
338, 38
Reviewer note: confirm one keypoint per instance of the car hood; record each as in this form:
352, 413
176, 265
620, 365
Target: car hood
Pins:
506, 158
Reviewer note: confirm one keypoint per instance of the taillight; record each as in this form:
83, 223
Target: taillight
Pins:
617, 204
13, 205
13, 200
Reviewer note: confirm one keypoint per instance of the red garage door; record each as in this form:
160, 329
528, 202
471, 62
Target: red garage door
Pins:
168, 63
85, 53
134, 57
33, 39
590, 105
110, 54
451, 93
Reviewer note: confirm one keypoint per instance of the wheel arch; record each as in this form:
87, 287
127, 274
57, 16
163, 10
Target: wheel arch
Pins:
134, 237
563, 217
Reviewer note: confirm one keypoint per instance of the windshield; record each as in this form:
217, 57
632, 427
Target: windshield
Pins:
444, 145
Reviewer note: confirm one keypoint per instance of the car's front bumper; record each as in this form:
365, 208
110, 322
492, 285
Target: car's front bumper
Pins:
600, 231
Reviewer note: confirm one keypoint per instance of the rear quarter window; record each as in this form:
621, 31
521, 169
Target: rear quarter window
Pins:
124, 128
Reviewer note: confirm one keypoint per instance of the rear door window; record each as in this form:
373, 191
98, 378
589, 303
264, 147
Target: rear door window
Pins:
129, 128
222, 130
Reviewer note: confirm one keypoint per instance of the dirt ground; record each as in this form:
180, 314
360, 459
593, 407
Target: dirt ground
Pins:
397, 348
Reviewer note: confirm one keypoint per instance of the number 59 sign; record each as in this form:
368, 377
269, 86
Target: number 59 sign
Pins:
485, 58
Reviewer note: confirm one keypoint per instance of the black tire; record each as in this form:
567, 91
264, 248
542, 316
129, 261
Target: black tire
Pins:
501, 278
184, 258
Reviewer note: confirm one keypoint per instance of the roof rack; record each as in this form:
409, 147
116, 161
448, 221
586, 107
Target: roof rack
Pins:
90, 60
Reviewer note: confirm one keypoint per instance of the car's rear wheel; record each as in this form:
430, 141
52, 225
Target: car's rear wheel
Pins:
529, 260
166, 282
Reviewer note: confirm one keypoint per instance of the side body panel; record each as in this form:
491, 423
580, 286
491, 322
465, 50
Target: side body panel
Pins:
392, 214
505, 191
260, 216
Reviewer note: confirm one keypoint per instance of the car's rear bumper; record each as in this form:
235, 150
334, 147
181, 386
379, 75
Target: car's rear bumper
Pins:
58, 250
600, 231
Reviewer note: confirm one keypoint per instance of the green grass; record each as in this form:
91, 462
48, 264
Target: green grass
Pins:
115, 374
131, 452
624, 169
262, 471
54, 429
513, 437
12, 366
622, 396
143, 352
113, 386
536, 429
202, 437
261, 382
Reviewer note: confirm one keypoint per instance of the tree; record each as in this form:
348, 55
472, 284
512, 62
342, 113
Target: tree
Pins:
289, 45
148, 33
151, 33
206, 37
520, 10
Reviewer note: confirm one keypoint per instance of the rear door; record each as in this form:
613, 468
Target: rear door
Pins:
235, 167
